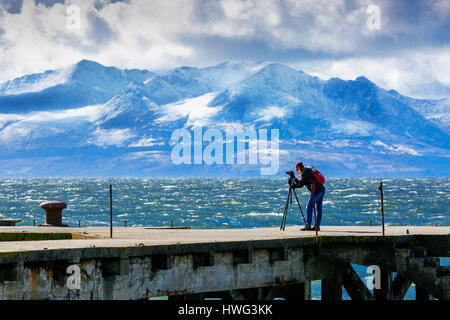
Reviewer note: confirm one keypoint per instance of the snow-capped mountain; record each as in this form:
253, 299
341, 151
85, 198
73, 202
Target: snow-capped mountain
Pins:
84, 83
92, 120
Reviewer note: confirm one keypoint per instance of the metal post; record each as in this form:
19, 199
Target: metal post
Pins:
110, 212
382, 206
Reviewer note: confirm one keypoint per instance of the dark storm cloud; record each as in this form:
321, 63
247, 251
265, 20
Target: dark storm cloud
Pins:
15, 6
207, 11
98, 36
99, 4
413, 24
213, 50
263, 43
11, 6
48, 3
331, 37
99, 32
405, 24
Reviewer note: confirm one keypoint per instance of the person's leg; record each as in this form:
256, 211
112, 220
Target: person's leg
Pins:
309, 211
319, 206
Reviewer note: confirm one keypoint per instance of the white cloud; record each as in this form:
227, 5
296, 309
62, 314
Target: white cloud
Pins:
196, 109
47, 80
397, 148
113, 137
267, 11
153, 155
360, 128
272, 112
158, 35
19, 171
17, 128
20, 125
413, 74
138, 35
145, 142
15, 133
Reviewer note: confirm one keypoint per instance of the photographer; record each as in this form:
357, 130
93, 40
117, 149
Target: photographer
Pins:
313, 180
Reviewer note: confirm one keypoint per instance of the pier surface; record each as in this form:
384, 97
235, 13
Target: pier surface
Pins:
260, 263
153, 236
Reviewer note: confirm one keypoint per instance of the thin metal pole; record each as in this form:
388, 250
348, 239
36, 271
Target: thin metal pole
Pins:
110, 212
382, 206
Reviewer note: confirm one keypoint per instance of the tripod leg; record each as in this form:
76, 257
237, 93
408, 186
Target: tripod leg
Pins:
284, 213
290, 190
299, 206
286, 207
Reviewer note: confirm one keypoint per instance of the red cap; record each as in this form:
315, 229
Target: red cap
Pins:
299, 165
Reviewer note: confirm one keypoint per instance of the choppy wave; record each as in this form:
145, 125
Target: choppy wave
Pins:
224, 203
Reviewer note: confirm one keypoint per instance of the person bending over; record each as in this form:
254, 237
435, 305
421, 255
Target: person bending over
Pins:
314, 182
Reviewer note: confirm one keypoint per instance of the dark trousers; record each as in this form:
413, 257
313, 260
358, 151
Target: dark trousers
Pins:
318, 197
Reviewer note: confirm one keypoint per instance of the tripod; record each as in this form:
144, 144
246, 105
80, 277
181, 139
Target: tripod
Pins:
286, 207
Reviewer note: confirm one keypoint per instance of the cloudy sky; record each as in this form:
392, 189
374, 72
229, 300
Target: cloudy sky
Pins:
402, 44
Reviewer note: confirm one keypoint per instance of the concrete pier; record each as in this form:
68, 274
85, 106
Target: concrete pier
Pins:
231, 264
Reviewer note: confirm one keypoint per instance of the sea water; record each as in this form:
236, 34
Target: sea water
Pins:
226, 202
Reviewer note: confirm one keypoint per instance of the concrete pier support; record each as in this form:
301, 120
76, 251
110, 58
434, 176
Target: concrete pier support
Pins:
301, 291
298, 291
385, 292
331, 290
332, 287
421, 294
400, 286
140, 263
353, 284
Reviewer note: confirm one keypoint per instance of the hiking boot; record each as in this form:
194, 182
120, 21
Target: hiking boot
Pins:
307, 227
316, 227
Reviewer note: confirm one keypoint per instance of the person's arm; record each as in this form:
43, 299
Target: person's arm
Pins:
297, 184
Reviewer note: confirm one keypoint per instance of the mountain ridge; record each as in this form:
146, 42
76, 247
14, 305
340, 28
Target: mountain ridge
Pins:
123, 119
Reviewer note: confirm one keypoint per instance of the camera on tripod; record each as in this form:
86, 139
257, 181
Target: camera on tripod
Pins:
289, 199
291, 174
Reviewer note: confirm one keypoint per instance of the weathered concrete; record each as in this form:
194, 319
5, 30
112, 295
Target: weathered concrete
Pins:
228, 263
9, 222
354, 285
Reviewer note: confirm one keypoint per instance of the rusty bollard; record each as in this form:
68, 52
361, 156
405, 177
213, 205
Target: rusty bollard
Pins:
53, 213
